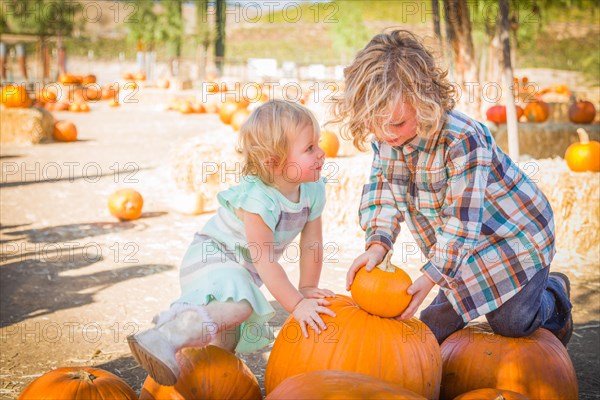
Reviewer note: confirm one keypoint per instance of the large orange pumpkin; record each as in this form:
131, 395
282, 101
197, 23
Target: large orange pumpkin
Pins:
125, 204
206, 373
339, 385
15, 96
238, 118
537, 111
582, 112
227, 110
65, 131
78, 383
583, 155
491, 394
329, 143
537, 366
403, 352
382, 291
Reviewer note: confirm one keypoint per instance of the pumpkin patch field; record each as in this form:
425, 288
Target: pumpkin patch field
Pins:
95, 224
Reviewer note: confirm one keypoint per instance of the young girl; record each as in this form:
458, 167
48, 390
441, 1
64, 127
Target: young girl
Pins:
485, 228
280, 195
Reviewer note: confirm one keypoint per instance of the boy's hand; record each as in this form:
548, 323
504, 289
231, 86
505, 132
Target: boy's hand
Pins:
315, 293
307, 313
369, 259
419, 290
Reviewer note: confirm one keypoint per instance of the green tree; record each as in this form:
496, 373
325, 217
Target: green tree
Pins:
349, 32
220, 23
40, 17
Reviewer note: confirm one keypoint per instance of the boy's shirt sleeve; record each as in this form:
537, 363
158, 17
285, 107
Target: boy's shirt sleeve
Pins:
379, 216
468, 170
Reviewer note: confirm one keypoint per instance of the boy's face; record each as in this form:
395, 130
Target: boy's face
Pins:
402, 126
305, 157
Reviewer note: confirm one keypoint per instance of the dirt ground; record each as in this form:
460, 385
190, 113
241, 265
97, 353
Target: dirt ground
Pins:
75, 282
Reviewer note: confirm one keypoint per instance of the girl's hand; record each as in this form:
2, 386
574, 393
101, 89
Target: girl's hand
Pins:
315, 293
307, 313
419, 290
370, 258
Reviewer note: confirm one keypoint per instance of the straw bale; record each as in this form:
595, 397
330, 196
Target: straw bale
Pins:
544, 140
25, 125
206, 168
575, 201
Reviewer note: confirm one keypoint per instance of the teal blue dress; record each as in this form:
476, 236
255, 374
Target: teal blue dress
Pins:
219, 266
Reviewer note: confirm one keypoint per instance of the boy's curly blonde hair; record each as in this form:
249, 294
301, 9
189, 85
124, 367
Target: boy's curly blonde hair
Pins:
268, 134
393, 66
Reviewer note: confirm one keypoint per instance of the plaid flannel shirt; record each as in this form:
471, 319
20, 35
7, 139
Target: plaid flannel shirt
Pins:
483, 225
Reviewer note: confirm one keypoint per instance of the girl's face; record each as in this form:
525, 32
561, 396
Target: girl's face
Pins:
305, 157
401, 128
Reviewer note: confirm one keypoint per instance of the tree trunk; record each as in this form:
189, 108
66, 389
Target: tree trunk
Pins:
435, 7
220, 36
458, 26
507, 75
203, 32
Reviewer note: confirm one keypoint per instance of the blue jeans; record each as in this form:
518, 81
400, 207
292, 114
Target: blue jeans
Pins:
541, 303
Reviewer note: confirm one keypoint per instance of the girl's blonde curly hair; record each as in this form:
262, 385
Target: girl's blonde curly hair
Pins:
268, 134
393, 66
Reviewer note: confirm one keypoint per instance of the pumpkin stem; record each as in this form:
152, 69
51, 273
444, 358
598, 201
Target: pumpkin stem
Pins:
386, 264
82, 375
584, 138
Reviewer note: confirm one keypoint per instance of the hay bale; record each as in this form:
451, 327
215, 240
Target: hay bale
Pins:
544, 140
25, 125
206, 168
575, 200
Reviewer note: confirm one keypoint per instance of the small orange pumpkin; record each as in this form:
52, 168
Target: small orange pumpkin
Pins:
206, 373
78, 383
382, 291
491, 394
582, 112
88, 79
128, 76
329, 143
15, 96
65, 131
163, 83
537, 366
339, 385
84, 107
185, 108
69, 79
114, 103
584, 155
140, 76
238, 118
537, 111
126, 204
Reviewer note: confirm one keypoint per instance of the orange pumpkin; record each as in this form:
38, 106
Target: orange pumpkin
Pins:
47, 94
497, 114
403, 352
109, 92
198, 108
537, 366
91, 92
491, 394
88, 79
69, 79
206, 373
382, 291
114, 103
163, 83
65, 131
238, 118
140, 76
185, 108
76, 383
128, 76
74, 107
582, 112
537, 111
126, 204
61, 106
329, 143
584, 155
339, 385
15, 96
227, 110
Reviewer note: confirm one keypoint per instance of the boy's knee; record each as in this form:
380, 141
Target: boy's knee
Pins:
506, 326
